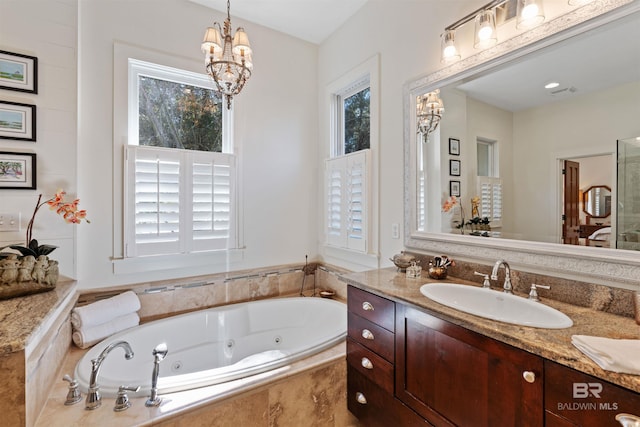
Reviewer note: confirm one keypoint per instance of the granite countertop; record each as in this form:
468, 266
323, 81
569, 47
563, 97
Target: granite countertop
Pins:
21, 318
553, 344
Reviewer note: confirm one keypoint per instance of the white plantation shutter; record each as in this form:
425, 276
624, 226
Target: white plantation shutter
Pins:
490, 190
178, 201
347, 201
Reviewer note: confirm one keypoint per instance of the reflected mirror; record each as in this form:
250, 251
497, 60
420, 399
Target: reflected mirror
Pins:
533, 161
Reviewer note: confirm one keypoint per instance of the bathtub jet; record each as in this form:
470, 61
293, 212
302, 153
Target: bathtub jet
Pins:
221, 344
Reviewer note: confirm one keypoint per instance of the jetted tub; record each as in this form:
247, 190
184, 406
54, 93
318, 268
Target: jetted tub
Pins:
218, 345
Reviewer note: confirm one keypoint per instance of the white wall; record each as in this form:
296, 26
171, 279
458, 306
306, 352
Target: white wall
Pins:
275, 132
46, 29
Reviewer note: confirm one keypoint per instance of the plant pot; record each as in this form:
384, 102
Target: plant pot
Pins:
26, 275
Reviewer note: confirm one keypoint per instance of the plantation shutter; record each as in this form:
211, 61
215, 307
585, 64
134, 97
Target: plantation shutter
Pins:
490, 190
178, 201
347, 201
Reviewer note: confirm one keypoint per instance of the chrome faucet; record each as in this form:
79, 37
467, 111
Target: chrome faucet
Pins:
159, 353
507, 275
94, 400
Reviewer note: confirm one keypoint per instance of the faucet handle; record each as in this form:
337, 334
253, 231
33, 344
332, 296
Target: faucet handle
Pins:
533, 294
73, 395
485, 283
122, 400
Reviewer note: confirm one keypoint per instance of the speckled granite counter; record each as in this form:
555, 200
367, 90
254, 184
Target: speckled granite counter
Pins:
23, 317
553, 344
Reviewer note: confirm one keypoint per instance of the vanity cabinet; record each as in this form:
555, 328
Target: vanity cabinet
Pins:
573, 398
370, 362
454, 377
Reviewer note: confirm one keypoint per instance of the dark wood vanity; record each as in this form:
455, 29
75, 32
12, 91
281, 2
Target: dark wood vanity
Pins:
406, 367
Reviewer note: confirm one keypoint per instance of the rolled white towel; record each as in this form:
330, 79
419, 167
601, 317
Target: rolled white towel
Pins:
103, 311
88, 336
616, 355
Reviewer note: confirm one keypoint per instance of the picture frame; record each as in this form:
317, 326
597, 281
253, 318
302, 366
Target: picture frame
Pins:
17, 171
17, 121
18, 72
454, 188
454, 146
454, 167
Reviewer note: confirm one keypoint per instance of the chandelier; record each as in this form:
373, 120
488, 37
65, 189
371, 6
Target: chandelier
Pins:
430, 110
228, 61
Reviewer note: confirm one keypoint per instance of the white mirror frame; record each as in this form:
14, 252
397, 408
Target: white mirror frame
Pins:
618, 268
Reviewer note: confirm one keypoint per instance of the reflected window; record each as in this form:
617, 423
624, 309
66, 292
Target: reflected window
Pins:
487, 164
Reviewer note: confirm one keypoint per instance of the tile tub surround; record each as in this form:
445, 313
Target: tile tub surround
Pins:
553, 344
597, 297
307, 392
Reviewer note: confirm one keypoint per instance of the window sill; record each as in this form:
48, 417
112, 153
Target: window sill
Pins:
345, 258
176, 261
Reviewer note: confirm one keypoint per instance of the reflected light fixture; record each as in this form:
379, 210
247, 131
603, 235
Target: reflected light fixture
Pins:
530, 13
227, 59
450, 51
430, 109
485, 29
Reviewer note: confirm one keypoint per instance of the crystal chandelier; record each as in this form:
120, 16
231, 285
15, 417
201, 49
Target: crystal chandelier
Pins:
430, 110
228, 61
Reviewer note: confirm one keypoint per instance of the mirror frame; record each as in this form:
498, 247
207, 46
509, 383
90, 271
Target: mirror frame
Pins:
584, 201
618, 268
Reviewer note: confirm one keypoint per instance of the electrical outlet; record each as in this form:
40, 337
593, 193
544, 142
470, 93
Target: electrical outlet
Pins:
10, 221
395, 230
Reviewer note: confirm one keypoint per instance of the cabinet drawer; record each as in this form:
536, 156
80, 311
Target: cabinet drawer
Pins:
369, 364
372, 336
380, 311
586, 400
374, 407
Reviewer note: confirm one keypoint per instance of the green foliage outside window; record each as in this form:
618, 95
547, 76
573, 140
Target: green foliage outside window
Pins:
356, 121
175, 115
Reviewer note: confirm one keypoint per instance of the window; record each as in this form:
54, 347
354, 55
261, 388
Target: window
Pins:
489, 183
356, 117
180, 171
486, 155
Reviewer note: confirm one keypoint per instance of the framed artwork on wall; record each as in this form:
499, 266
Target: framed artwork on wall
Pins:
17, 171
17, 121
454, 167
454, 146
454, 188
18, 72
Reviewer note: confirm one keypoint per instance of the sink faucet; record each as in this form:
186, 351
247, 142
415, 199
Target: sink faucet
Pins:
94, 400
507, 275
159, 353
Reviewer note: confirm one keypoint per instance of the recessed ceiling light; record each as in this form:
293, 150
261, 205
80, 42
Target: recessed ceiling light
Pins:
551, 85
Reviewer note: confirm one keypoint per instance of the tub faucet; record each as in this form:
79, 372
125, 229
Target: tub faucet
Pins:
507, 275
94, 400
159, 353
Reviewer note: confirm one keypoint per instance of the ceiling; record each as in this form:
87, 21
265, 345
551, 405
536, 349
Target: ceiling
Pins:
310, 20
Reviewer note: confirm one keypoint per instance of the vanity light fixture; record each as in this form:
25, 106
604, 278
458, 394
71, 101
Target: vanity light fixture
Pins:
430, 109
227, 60
529, 13
450, 51
485, 29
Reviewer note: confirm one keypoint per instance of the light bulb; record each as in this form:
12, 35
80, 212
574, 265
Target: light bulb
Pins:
485, 32
530, 11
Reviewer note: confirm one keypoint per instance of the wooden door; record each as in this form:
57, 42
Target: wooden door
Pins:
571, 216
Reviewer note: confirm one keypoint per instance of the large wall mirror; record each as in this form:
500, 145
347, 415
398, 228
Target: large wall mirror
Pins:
526, 156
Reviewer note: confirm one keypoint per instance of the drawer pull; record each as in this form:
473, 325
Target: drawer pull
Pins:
628, 420
361, 399
367, 334
367, 306
529, 376
366, 363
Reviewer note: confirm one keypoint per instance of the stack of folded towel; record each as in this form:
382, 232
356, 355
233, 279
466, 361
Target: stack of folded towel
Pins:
94, 322
617, 355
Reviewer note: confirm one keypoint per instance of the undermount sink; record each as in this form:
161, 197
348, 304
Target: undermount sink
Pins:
496, 305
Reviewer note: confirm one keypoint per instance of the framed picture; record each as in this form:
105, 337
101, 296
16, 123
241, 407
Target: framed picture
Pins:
18, 72
17, 121
17, 171
454, 167
454, 146
454, 188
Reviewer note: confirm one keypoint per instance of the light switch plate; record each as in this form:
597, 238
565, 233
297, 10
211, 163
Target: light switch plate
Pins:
10, 221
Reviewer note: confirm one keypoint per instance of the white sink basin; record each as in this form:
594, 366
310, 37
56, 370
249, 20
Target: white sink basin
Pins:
496, 305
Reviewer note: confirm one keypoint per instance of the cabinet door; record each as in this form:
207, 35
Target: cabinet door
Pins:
455, 377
